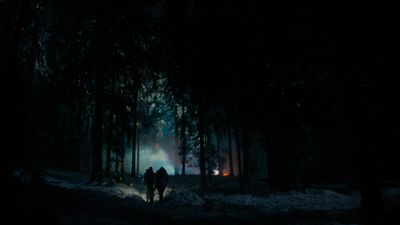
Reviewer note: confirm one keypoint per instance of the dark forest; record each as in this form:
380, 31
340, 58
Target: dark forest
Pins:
248, 112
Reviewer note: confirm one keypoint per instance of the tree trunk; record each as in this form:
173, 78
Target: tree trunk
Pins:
101, 54
134, 126
11, 38
218, 138
107, 172
270, 164
208, 151
219, 156
124, 140
239, 158
246, 155
371, 180
122, 172
231, 173
98, 125
138, 149
183, 144
116, 165
371, 191
176, 132
202, 150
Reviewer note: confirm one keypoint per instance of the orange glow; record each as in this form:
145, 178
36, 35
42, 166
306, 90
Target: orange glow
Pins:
225, 174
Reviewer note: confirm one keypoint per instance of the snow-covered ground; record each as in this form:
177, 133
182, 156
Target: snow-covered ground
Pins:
310, 200
391, 192
95, 203
118, 190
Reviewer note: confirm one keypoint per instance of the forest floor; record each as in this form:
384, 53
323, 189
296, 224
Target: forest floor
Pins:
72, 200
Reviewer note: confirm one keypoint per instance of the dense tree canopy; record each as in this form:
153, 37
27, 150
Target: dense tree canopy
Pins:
225, 87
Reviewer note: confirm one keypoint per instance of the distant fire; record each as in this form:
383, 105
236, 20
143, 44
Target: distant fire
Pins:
216, 173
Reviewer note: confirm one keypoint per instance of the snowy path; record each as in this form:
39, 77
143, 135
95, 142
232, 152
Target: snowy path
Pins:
84, 203
311, 200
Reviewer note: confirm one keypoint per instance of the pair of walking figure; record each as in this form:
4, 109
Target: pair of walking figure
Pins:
156, 180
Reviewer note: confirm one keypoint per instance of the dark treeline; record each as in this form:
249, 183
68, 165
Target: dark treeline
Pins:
296, 94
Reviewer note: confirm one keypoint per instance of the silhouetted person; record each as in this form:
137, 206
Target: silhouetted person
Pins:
149, 181
161, 181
